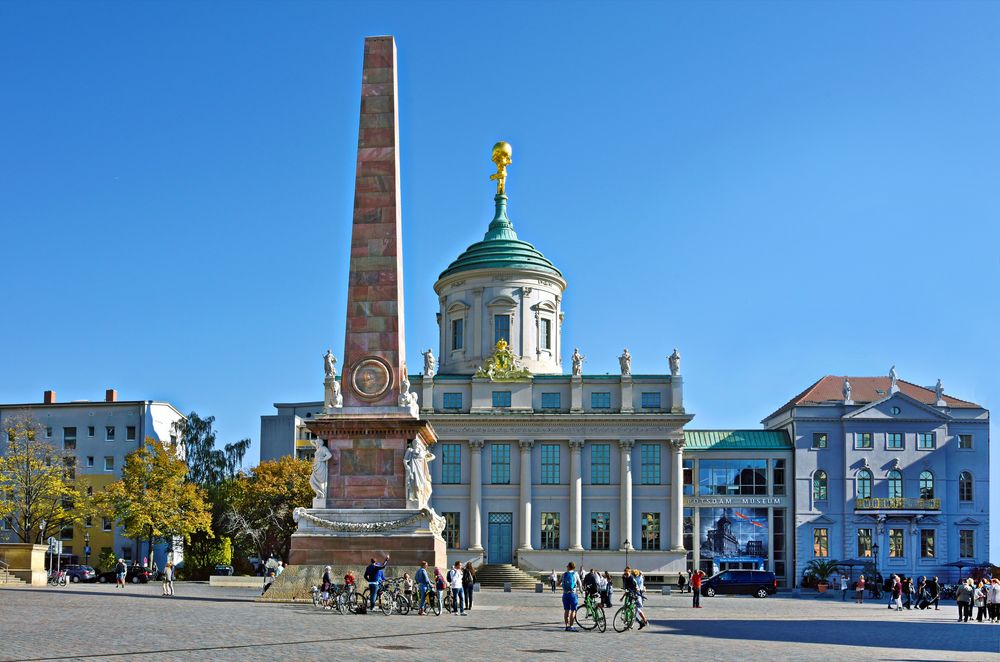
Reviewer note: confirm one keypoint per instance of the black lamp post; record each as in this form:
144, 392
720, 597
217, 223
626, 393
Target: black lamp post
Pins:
875, 556
86, 547
626, 551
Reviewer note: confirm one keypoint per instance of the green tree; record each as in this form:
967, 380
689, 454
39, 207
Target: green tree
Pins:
38, 483
207, 465
261, 504
153, 500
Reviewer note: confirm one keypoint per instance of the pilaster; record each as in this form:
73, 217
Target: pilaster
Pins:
576, 394
627, 407
526, 446
575, 494
677, 494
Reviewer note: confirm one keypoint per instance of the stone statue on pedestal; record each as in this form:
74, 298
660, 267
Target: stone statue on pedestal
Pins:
675, 363
429, 363
406, 398
332, 397
577, 362
418, 474
625, 361
320, 474
893, 378
330, 364
939, 392
847, 390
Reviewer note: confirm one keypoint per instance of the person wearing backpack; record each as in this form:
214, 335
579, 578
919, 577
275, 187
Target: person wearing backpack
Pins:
569, 599
468, 584
457, 592
375, 575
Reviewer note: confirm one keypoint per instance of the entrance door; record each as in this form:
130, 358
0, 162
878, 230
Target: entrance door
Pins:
500, 548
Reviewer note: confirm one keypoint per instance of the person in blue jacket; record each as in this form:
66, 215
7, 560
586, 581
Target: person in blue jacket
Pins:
375, 575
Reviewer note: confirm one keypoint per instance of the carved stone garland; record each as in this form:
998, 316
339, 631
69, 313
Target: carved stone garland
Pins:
436, 522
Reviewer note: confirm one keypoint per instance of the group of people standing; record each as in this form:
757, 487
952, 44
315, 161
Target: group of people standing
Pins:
984, 596
458, 580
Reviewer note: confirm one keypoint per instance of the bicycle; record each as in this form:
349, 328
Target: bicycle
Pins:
59, 578
625, 616
385, 602
433, 604
593, 614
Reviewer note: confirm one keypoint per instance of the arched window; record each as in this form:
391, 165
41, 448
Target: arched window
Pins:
895, 484
965, 486
819, 485
926, 485
864, 484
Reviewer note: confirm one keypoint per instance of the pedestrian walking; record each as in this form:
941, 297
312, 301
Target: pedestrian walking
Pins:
468, 583
639, 586
681, 582
896, 593
934, 590
457, 592
696, 577
963, 597
552, 580
168, 579
423, 580
859, 590
120, 571
843, 588
569, 600
609, 589
993, 600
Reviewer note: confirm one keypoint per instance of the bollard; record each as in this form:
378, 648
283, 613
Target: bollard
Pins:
665, 590
539, 587
476, 588
506, 587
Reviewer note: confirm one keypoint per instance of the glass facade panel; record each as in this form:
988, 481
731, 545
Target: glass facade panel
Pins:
778, 553
600, 464
732, 477
649, 455
500, 464
821, 543
550, 464
896, 548
778, 488
452, 533
451, 463
650, 531
926, 543
600, 530
550, 530
600, 400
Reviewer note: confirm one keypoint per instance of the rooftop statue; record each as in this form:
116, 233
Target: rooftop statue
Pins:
893, 378
429, 363
330, 364
939, 391
577, 362
847, 390
625, 361
675, 363
501, 156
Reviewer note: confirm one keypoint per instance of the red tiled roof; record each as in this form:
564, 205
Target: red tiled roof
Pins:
865, 390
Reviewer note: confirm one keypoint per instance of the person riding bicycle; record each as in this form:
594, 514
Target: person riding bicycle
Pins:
375, 575
640, 594
632, 585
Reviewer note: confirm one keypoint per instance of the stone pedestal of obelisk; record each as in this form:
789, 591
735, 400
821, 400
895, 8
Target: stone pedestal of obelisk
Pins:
365, 508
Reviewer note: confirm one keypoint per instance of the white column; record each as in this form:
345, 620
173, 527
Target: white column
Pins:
625, 526
676, 495
575, 495
476, 496
526, 445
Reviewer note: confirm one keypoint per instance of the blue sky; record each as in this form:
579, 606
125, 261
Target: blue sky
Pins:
781, 190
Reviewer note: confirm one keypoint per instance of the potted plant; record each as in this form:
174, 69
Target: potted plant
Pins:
820, 570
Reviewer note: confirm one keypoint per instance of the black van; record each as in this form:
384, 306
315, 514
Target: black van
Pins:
757, 583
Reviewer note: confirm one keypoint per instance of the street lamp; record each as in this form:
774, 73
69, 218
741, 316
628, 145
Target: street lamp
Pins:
626, 552
86, 547
875, 556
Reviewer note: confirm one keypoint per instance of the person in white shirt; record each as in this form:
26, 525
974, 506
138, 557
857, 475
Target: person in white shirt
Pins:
843, 588
457, 594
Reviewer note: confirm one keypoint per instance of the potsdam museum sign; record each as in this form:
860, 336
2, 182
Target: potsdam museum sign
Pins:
732, 501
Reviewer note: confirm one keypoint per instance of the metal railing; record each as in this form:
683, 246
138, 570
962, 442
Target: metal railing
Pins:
898, 503
5, 571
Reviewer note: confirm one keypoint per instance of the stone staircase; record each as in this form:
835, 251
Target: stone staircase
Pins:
10, 581
494, 575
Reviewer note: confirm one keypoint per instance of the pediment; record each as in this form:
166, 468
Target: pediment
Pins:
502, 301
909, 408
968, 521
458, 307
823, 519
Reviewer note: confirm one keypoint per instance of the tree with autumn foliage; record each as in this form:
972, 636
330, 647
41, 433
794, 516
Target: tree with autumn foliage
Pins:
153, 500
37, 483
261, 504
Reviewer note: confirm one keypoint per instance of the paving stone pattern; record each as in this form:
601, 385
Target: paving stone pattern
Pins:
202, 623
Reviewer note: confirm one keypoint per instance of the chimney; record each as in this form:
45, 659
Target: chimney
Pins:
111, 395
49, 397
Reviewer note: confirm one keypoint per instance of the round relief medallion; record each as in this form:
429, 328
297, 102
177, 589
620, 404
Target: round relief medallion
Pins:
371, 377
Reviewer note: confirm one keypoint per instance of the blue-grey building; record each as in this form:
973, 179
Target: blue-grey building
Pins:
888, 470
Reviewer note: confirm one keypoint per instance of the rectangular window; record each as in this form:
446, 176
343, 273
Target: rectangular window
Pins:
925, 440
650, 531
965, 442
452, 532
821, 543
896, 548
545, 334
88, 521
550, 530
66, 533
649, 455
109, 463
600, 464
864, 543
819, 440
551, 401
48, 432
106, 523
109, 433
687, 468
90, 431
894, 441
926, 543
90, 461
452, 401
600, 530
966, 544
550, 464
69, 439
779, 478
600, 401
457, 334
129, 433
862, 440
501, 398
500, 457
501, 329
732, 477
651, 400
70, 463
451, 464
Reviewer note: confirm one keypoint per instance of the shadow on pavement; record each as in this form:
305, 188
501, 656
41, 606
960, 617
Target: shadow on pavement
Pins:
881, 634
127, 594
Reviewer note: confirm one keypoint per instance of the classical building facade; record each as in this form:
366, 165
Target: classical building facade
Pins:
100, 434
883, 462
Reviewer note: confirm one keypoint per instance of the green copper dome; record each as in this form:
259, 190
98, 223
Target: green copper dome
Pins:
501, 249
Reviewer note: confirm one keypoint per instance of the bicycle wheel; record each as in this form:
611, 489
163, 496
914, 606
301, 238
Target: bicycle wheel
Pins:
356, 603
449, 601
602, 621
316, 599
386, 603
435, 603
623, 619
586, 617
402, 604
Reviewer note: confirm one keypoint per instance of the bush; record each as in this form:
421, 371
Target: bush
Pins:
106, 560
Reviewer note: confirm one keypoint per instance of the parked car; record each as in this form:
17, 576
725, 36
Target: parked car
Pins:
223, 570
758, 583
135, 575
81, 573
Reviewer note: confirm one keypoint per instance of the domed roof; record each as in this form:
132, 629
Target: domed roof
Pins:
501, 249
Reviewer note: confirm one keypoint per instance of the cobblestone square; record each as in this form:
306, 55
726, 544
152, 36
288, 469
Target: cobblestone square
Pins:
96, 622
